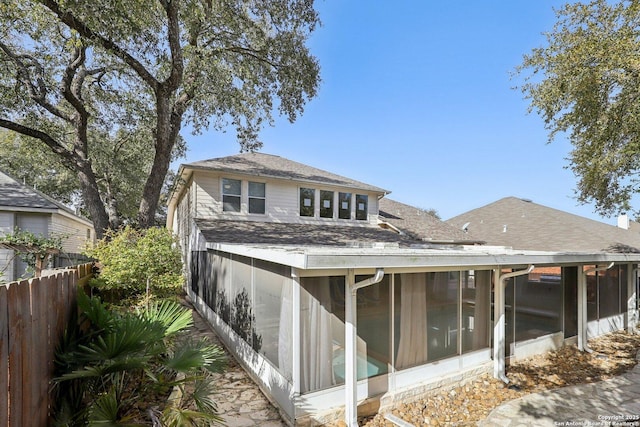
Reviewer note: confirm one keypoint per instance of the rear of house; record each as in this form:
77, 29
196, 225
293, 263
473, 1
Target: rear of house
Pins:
334, 297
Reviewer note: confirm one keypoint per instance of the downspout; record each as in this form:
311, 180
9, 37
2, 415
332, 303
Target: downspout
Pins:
499, 335
351, 342
582, 307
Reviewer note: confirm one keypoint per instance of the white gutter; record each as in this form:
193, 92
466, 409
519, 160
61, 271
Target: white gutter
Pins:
499, 335
351, 337
582, 307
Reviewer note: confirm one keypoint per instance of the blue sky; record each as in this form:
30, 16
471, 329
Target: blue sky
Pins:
417, 98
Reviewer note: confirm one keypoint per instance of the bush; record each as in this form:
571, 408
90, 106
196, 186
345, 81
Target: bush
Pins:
134, 261
119, 367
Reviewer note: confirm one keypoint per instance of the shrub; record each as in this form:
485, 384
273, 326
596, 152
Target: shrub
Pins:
119, 367
134, 261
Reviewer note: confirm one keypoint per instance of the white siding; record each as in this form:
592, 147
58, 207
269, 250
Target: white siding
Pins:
207, 195
281, 200
74, 233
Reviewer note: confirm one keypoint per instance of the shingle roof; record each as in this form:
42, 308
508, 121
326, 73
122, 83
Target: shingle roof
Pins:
267, 165
522, 224
419, 224
275, 233
16, 195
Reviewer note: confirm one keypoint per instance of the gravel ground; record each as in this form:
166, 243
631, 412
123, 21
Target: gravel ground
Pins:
468, 404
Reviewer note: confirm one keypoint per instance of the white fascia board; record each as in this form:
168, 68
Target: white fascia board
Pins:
459, 260
325, 258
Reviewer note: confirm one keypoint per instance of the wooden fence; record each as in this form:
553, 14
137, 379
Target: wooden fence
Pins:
33, 315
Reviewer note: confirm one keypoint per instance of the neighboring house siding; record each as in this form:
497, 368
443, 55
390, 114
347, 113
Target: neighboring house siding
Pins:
73, 233
37, 224
7, 223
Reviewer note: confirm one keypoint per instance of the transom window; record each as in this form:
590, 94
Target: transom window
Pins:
257, 198
231, 194
307, 196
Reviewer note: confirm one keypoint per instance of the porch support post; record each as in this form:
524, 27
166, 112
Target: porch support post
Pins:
350, 353
583, 318
498, 327
582, 309
295, 332
351, 343
499, 335
632, 312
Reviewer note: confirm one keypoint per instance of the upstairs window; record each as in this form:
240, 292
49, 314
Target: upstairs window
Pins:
362, 203
344, 205
307, 196
326, 204
257, 198
231, 194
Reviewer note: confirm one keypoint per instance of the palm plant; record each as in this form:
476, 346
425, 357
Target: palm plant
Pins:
110, 362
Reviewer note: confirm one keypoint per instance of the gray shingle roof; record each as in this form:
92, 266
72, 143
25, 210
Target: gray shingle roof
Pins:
419, 224
522, 224
16, 195
274, 233
267, 165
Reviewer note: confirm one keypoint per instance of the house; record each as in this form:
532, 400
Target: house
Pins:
30, 210
337, 299
522, 224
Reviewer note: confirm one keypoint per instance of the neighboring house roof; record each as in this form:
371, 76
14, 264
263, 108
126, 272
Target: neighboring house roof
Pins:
522, 224
276, 233
420, 224
271, 166
17, 196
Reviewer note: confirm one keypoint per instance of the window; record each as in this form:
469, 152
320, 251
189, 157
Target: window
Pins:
362, 202
326, 204
344, 205
257, 197
231, 194
307, 196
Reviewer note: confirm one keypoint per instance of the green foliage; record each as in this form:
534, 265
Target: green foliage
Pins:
33, 249
132, 260
119, 367
584, 83
107, 85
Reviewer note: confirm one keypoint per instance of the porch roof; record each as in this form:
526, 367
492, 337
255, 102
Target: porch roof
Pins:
398, 258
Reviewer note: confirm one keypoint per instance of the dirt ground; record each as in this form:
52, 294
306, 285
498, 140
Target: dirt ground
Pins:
468, 404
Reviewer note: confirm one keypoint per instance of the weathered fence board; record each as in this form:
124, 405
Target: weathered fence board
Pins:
4, 357
33, 316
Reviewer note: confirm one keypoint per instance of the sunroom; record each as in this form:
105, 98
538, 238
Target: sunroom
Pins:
325, 330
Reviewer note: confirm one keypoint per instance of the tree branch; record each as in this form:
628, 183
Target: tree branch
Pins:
37, 91
83, 29
44, 137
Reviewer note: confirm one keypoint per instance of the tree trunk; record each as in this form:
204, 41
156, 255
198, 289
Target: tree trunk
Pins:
166, 134
92, 199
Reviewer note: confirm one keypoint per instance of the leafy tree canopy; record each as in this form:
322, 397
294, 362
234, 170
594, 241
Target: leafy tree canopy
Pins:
585, 83
87, 78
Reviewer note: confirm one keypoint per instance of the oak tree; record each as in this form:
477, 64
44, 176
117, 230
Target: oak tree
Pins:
585, 83
76, 73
